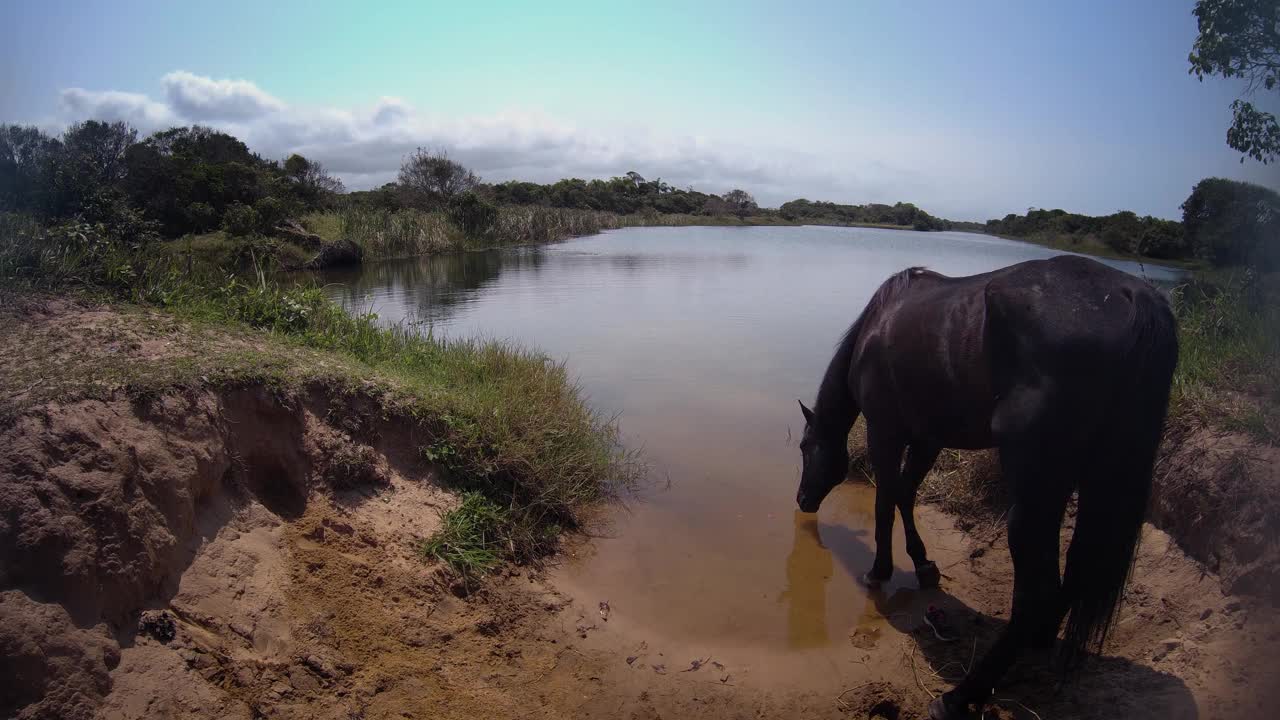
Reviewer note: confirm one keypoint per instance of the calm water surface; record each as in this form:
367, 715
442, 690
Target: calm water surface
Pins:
701, 339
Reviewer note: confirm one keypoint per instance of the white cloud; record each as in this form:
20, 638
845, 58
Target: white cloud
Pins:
201, 98
133, 108
365, 146
857, 158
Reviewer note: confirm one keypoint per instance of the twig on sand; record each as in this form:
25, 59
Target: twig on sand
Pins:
696, 664
914, 673
840, 698
1015, 702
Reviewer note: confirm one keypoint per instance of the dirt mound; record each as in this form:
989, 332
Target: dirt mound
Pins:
1218, 493
108, 508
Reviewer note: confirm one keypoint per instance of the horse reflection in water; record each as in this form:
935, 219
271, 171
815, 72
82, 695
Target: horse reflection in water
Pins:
809, 568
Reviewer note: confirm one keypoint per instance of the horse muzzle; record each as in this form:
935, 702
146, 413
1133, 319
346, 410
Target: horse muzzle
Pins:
807, 503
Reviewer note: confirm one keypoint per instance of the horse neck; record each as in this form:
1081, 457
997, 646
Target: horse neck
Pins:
835, 408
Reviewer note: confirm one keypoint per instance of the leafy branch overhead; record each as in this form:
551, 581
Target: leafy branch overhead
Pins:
1241, 39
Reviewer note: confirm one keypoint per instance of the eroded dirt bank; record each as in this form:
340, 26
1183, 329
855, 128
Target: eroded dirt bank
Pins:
238, 552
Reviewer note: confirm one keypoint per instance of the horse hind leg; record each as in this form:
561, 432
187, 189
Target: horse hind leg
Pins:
1040, 497
920, 460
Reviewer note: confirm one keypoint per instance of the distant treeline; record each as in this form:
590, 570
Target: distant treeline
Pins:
624, 195
828, 213
106, 181
1224, 222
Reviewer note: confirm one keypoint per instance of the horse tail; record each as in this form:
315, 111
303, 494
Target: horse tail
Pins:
1113, 499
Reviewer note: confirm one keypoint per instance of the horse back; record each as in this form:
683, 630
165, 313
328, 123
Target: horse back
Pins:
963, 360
1059, 340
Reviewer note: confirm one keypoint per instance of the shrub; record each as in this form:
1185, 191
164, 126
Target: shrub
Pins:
472, 214
240, 220
202, 217
270, 212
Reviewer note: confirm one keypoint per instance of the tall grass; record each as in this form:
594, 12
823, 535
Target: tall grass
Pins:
385, 234
1229, 351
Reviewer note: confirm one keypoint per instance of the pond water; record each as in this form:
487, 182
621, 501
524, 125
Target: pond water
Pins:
701, 339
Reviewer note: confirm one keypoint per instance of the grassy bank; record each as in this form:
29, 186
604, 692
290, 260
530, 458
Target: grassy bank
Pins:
384, 234
1229, 357
507, 423
1093, 245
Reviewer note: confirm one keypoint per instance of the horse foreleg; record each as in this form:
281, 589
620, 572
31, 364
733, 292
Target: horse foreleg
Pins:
920, 459
886, 463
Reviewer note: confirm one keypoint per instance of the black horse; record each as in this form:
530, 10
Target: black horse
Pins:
1065, 366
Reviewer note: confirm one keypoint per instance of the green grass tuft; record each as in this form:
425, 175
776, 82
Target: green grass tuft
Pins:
470, 539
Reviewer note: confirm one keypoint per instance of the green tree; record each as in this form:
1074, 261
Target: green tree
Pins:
311, 182
26, 166
1233, 223
1241, 39
89, 169
740, 202
432, 179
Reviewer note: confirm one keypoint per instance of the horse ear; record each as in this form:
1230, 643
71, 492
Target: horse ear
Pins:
808, 414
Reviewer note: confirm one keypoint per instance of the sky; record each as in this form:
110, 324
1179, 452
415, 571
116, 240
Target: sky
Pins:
970, 109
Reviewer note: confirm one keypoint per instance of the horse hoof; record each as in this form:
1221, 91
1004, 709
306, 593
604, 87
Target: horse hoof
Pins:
928, 575
938, 711
872, 580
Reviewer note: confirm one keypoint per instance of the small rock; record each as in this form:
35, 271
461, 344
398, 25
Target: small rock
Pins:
303, 680
157, 624
1232, 607
1207, 612
1164, 647
322, 668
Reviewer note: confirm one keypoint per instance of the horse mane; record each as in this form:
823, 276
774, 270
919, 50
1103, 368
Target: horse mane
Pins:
834, 402
887, 291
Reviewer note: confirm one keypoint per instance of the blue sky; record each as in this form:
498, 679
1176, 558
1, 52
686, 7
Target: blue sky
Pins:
970, 110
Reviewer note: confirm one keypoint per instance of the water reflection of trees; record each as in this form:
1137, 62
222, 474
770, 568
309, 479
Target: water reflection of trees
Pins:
433, 288
429, 288
635, 262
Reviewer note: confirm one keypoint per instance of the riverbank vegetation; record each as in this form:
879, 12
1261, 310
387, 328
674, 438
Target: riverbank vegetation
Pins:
1225, 223
87, 215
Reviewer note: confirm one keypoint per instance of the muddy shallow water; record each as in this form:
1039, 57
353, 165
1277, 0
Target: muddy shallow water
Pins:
701, 339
